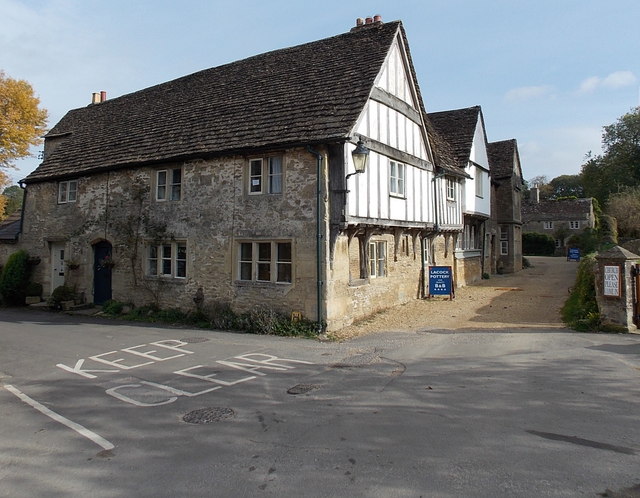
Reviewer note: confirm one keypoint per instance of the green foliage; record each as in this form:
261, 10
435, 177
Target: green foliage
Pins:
587, 241
619, 165
486, 276
580, 311
566, 187
260, 320
14, 278
526, 263
624, 206
14, 196
34, 289
538, 244
112, 307
59, 295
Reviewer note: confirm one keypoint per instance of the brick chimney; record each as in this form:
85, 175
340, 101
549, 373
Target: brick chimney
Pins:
367, 22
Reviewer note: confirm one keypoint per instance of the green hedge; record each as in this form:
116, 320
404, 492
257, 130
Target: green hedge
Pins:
538, 244
14, 278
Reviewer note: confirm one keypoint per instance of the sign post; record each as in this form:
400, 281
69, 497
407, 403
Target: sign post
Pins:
441, 281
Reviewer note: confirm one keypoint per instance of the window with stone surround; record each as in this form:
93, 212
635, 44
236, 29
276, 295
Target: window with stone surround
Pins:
169, 184
548, 225
574, 225
67, 191
265, 176
265, 261
377, 259
167, 259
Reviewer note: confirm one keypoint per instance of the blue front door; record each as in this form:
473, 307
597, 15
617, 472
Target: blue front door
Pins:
101, 272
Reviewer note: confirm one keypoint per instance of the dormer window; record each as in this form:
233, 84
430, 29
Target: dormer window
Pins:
67, 191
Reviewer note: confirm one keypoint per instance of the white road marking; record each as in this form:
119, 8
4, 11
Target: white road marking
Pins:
83, 431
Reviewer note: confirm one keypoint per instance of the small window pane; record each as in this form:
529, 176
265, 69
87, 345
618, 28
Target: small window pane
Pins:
275, 175
255, 176
161, 186
176, 184
73, 187
152, 266
166, 260
62, 192
284, 262
181, 261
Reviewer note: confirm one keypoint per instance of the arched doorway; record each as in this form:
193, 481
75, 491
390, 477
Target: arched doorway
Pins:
102, 265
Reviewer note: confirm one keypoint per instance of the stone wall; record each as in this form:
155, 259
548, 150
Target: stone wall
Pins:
214, 214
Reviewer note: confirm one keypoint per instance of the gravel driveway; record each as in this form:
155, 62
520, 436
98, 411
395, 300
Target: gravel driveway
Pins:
531, 298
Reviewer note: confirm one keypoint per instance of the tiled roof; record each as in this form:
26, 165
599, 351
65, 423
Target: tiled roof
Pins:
458, 128
554, 210
10, 228
305, 94
501, 157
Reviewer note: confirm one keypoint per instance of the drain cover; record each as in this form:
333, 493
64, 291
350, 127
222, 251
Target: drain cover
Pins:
208, 415
301, 388
194, 340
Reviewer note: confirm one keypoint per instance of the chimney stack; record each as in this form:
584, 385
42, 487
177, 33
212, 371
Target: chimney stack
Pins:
534, 195
97, 97
367, 22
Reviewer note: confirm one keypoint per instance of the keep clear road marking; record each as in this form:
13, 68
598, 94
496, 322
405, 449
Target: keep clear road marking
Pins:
83, 431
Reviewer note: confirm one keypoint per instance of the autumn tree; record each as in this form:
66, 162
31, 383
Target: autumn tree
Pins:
625, 208
618, 166
22, 121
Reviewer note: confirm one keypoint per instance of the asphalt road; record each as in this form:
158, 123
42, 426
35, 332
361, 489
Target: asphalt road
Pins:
96, 408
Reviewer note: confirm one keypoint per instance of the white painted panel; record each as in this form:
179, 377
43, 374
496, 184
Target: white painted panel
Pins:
393, 85
410, 192
373, 120
361, 181
384, 187
393, 128
402, 132
383, 79
397, 208
384, 124
410, 134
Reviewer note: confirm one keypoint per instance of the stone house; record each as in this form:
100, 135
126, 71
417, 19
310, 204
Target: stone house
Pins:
558, 218
506, 210
237, 185
464, 131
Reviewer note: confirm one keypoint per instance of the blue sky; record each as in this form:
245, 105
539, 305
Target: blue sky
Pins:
549, 73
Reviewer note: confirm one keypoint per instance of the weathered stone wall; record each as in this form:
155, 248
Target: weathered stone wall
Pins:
468, 270
351, 298
215, 213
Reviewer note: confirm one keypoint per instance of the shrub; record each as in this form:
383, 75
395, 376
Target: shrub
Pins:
526, 263
59, 295
112, 307
580, 311
538, 244
34, 289
15, 278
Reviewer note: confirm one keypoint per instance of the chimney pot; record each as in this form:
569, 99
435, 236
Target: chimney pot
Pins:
368, 20
359, 21
95, 98
103, 96
377, 18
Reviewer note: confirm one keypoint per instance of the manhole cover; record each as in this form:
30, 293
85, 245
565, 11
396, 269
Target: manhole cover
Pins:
208, 415
194, 340
301, 388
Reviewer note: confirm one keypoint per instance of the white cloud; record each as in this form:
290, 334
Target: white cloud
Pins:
528, 93
558, 151
618, 79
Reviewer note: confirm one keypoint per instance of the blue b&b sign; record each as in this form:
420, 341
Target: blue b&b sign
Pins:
573, 254
440, 281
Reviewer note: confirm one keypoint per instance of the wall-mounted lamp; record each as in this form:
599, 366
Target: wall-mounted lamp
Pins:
360, 158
